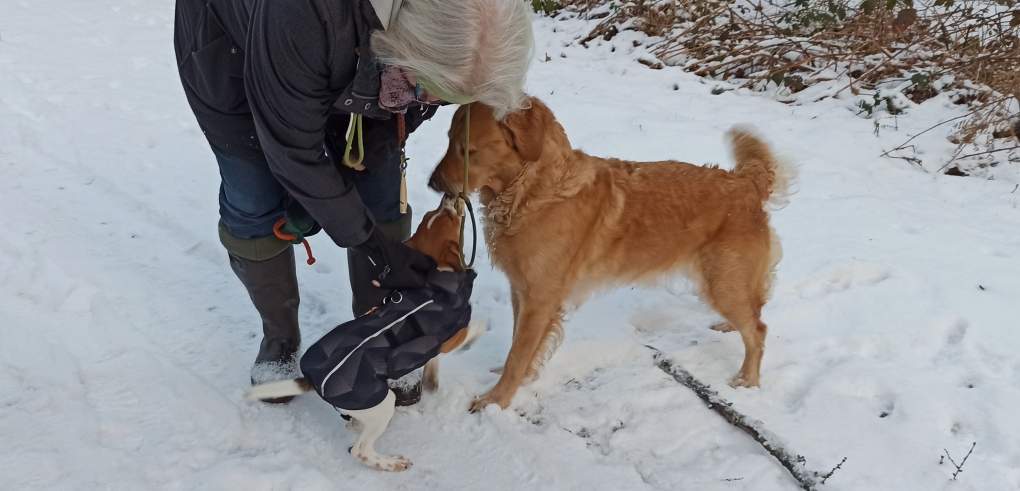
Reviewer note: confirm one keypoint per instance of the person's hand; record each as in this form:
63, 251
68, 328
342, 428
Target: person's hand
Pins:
396, 266
298, 222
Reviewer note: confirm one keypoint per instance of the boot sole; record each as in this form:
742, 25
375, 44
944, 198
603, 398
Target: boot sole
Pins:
407, 396
280, 400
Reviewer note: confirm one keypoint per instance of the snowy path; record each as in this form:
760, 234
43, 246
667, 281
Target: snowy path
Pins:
125, 341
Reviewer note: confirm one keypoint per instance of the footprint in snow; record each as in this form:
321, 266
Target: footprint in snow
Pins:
952, 333
843, 276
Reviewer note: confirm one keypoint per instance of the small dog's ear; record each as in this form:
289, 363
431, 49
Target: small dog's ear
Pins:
452, 256
527, 130
412, 241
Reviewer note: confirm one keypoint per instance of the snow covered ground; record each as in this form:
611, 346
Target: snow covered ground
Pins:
125, 340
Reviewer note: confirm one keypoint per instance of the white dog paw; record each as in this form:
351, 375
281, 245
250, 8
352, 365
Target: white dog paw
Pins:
391, 463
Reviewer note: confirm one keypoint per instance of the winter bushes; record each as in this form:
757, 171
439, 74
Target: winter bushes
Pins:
888, 54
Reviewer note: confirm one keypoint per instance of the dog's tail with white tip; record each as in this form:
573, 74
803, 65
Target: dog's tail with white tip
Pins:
277, 390
774, 177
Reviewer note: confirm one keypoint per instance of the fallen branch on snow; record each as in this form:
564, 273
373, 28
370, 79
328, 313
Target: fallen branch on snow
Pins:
959, 467
794, 463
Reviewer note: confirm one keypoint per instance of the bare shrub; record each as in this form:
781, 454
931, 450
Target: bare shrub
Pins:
878, 48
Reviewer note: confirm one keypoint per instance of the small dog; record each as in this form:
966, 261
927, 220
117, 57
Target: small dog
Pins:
562, 224
438, 236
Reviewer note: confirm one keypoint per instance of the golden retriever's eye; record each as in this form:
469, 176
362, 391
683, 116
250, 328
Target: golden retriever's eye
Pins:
460, 150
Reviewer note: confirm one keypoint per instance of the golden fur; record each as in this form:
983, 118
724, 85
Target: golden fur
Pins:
561, 224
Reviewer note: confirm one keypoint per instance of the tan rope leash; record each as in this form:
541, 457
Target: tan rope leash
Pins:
356, 132
463, 197
353, 132
402, 139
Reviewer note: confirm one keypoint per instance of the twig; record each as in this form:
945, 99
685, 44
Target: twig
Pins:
913, 160
958, 157
904, 144
695, 25
794, 464
833, 471
865, 74
959, 468
702, 71
988, 152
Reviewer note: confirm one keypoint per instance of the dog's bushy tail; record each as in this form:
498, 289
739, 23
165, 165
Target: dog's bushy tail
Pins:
774, 177
276, 390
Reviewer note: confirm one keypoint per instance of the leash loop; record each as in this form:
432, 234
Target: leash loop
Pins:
355, 131
463, 197
474, 232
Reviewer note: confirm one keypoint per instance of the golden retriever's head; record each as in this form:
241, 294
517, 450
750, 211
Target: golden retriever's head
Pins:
497, 149
438, 235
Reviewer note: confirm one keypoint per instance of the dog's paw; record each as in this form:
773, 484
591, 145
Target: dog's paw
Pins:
394, 463
743, 381
477, 405
482, 402
723, 327
389, 463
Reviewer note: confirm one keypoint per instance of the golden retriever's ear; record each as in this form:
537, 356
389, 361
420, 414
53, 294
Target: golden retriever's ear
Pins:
526, 128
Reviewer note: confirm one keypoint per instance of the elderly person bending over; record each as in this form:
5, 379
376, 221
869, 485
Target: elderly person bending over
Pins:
275, 86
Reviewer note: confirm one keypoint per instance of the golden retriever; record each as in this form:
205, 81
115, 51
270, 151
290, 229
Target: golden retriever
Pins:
562, 224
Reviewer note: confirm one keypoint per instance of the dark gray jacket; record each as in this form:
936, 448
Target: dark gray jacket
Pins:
280, 78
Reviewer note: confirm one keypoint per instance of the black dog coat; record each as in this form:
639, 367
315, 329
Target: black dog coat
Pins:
349, 367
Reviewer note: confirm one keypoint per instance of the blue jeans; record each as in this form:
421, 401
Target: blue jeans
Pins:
252, 200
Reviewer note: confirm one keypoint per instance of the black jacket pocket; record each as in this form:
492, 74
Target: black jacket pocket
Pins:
215, 70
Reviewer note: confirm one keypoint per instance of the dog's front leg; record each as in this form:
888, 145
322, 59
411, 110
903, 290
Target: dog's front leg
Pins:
538, 321
374, 421
515, 304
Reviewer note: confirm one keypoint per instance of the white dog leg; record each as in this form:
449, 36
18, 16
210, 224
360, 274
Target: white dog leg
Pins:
374, 421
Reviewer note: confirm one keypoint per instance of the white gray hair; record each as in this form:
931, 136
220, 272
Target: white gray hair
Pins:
478, 50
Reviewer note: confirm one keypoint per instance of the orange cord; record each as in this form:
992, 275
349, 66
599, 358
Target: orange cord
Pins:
308, 250
277, 230
279, 233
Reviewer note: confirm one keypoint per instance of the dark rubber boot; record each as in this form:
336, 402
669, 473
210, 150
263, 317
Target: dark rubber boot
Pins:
273, 288
365, 296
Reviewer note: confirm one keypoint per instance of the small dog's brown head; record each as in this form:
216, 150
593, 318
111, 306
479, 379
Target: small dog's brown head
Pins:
438, 235
497, 149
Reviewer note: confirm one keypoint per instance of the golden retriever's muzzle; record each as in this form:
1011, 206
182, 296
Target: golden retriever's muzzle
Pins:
437, 183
